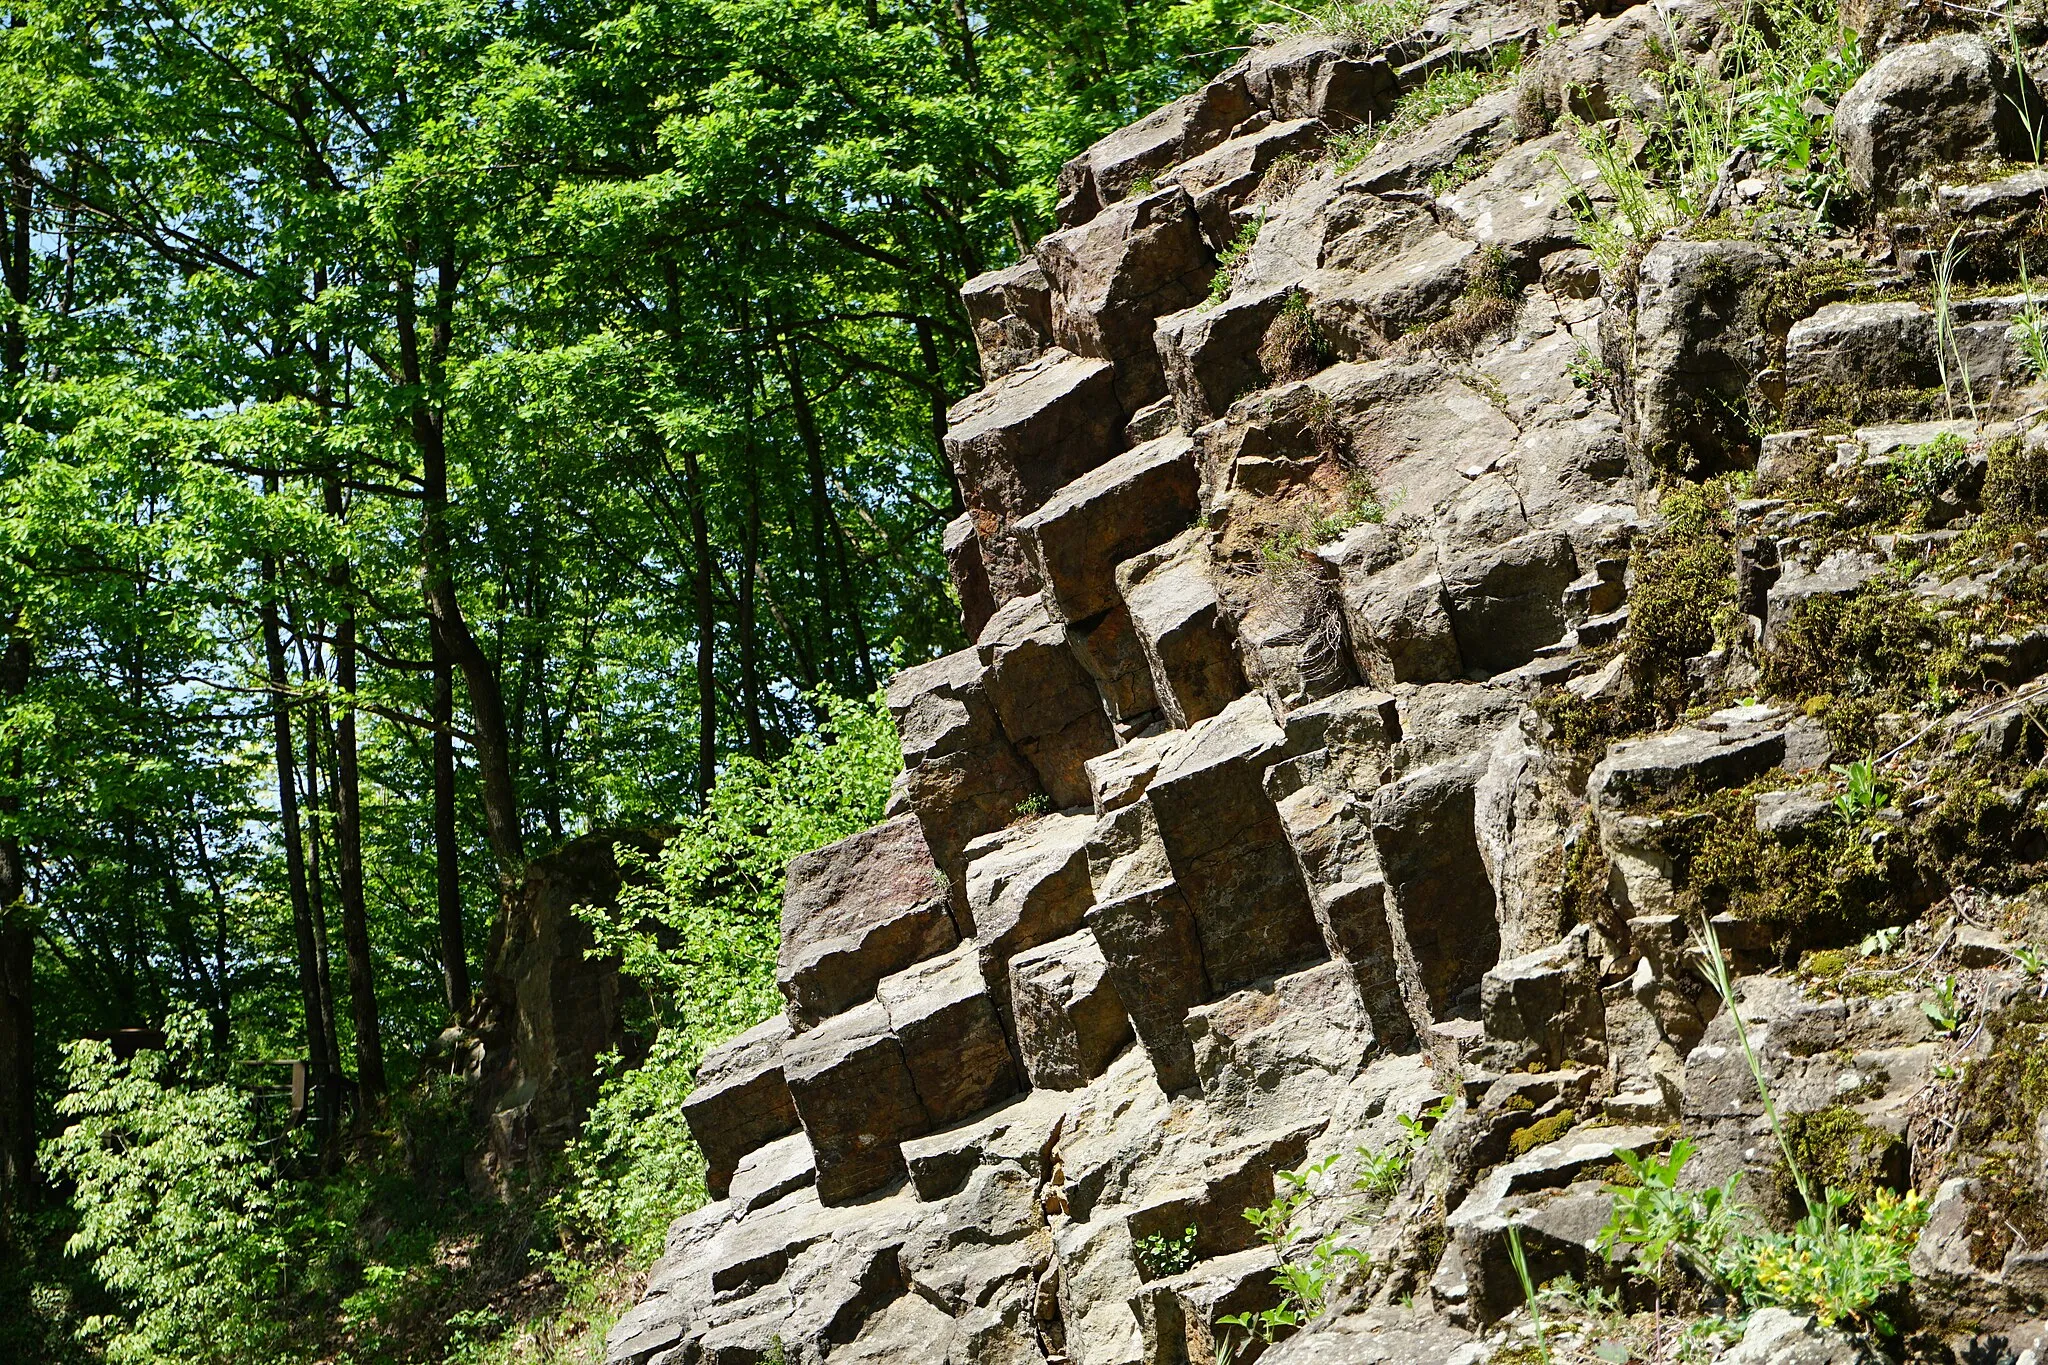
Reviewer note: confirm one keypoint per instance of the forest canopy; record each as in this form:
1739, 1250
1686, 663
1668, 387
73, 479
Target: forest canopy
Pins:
430, 431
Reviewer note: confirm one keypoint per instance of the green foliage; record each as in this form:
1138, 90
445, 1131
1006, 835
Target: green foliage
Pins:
181, 1214
1230, 261
1381, 1174
1864, 794
1371, 23
1684, 593
1521, 1264
1525, 1140
2016, 482
1160, 1255
1305, 1279
700, 935
1447, 90
1942, 1009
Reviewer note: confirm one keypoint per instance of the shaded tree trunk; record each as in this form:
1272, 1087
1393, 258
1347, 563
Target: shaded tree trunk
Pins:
447, 857
17, 994
348, 839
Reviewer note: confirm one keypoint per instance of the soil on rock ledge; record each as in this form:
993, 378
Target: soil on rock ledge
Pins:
1404, 611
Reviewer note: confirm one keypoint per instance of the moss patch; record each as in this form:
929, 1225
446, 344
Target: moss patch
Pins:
1684, 594
1838, 1150
1526, 1140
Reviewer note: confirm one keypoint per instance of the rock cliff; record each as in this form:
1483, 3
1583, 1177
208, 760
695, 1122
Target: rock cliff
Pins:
1400, 621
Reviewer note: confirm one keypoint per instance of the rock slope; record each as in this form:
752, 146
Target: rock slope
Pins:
1309, 793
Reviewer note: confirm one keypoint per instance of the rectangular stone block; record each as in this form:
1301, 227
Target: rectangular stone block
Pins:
1026, 885
1070, 1020
741, 1101
1140, 499
1047, 702
1154, 959
854, 1092
855, 911
953, 1043
1182, 626
1228, 851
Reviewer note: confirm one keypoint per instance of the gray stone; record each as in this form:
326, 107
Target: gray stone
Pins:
1020, 440
1138, 500
1182, 626
1222, 180
855, 911
1269, 1049
1210, 352
1026, 886
953, 1042
1698, 343
1047, 702
1507, 603
1011, 313
741, 1101
1113, 275
854, 1093
1154, 957
1227, 849
1774, 1336
1924, 106
1874, 345
1423, 828
1400, 619
767, 1174
970, 575
1133, 155
1544, 1008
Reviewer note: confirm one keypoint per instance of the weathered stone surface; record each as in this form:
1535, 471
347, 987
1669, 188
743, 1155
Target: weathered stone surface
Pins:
1320, 76
1020, 440
854, 1093
1927, 105
961, 773
768, 1173
1224, 1287
1212, 1198
1266, 1049
1189, 126
1112, 276
855, 911
741, 1101
1210, 353
1154, 958
1544, 1008
1874, 345
1399, 615
1774, 1336
1018, 1135
1070, 1019
1138, 500
1697, 343
1227, 849
970, 575
1384, 1336
1182, 626
1422, 826
1221, 181
1047, 702
1323, 799
1011, 313
1526, 816
1507, 603
1700, 758
1026, 886
943, 1015
1109, 648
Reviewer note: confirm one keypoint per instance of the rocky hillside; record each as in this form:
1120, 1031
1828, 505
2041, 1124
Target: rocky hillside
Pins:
1469, 536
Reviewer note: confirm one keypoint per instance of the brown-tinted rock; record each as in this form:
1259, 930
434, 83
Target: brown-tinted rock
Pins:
1222, 180
1398, 613
1181, 624
1154, 958
962, 775
1544, 1009
1274, 1048
1138, 500
1020, 440
1011, 312
1321, 76
954, 1045
1227, 849
1070, 1020
855, 911
1211, 352
741, 1101
1109, 648
854, 1093
1698, 342
1046, 700
1116, 273
970, 575
1026, 885
1136, 154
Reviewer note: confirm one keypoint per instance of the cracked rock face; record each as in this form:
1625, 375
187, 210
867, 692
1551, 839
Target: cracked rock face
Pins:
1246, 830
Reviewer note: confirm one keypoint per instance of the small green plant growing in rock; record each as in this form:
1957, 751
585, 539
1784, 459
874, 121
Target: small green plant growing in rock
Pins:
1034, 804
1926, 469
2029, 329
1945, 1010
1232, 258
1369, 22
1162, 1256
1381, 1174
1521, 1263
1864, 794
1946, 347
1304, 1279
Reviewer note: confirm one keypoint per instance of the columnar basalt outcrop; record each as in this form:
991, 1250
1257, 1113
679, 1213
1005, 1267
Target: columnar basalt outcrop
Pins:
1253, 822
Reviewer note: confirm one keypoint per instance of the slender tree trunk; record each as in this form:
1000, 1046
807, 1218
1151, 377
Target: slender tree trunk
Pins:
447, 857
318, 1049
17, 994
928, 350
348, 843
316, 892
750, 648
698, 497
423, 372
821, 512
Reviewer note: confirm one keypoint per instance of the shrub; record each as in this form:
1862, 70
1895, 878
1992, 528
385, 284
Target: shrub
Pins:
1293, 347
